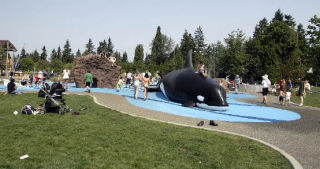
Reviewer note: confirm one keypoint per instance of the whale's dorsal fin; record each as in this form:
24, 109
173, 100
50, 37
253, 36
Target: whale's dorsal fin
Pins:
188, 63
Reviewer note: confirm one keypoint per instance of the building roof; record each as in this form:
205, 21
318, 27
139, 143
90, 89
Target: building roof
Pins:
10, 47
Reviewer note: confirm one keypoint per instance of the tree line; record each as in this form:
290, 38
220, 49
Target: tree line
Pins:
279, 48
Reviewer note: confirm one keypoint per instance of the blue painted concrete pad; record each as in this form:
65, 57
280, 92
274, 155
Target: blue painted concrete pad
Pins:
236, 112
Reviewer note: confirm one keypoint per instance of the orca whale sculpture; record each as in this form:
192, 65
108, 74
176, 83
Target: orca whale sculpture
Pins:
189, 88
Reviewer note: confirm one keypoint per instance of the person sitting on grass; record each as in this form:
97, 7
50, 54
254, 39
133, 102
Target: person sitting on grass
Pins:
12, 87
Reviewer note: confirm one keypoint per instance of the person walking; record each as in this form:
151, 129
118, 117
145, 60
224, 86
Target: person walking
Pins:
65, 78
136, 84
265, 88
88, 77
237, 83
301, 91
146, 84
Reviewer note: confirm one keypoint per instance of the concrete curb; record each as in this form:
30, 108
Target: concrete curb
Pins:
295, 164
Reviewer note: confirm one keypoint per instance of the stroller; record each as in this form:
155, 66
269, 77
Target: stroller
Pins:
53, 98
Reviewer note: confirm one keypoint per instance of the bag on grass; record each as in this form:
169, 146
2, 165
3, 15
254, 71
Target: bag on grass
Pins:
28, 109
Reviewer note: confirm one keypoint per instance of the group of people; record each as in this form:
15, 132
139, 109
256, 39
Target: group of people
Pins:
138, 80
284, 90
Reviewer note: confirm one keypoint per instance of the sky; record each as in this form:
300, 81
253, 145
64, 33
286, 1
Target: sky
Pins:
32, 24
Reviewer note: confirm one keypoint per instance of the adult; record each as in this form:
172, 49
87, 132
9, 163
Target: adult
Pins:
290, 84
265, 88
146, 84
112, 59
128, 80
301, 91
136, 84
88, 77
237, 83
65, 77
12, 87
201, 69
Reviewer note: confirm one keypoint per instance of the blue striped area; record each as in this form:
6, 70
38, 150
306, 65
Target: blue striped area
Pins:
236, 112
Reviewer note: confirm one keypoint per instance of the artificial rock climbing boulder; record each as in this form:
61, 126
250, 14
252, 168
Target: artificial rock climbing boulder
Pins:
104, 74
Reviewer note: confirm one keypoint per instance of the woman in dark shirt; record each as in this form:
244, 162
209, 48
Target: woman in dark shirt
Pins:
11, 87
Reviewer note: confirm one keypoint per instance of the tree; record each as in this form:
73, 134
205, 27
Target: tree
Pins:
54, 54
161, 47
26, 64
109, 50
102, 48
314, 41
42, 65
260, 28
44, 54
200, 45
56, 64
289, 20
23, 53
138, 58
234, 60
59, 53
186, 44
89, 48
117, 55
67, 56
35, 56
78, 54
278, 16
124, 57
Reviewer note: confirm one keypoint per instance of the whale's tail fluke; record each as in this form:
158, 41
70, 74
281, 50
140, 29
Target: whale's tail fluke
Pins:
188, 63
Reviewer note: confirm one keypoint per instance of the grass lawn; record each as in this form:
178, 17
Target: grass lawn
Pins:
311, 99
104, 138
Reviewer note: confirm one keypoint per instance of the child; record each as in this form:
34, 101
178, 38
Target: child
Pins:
119, 84
146, 84
281, 98
288, 95
37, 80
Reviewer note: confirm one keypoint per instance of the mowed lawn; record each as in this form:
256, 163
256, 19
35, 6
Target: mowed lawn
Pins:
311, 99
104, 138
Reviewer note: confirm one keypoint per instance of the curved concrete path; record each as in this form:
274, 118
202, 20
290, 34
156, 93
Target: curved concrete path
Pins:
298, 138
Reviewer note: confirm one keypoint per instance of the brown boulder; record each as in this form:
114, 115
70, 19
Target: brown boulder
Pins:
107, 76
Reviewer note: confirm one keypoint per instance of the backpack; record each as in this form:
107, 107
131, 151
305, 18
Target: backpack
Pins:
28, 109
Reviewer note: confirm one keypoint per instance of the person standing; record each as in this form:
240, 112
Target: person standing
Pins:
265, 88
146, 84
30, 79
237, 83
301, 91
88, 77
128, 80
65, 78
136, 84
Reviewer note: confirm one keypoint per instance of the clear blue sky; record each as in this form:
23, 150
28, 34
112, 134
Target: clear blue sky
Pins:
34, 23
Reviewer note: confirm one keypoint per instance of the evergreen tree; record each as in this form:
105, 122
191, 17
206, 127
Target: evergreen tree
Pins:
278, 16
109, 50
303, 45
138, 58
186, 44
314, 41
67, 56
200, 45
57, 65
89, 48
23, 53
35, 56
157, 47
54, 54
44, 54
102, 48
260, 27
26, 64
289, 20
117, 55
125, 57
78, 54
59, 53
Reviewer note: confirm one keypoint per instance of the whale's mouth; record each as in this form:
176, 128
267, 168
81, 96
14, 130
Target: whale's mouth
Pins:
208, 102
214, 108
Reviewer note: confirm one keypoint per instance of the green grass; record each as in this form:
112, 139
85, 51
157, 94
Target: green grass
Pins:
311, 99
104, 138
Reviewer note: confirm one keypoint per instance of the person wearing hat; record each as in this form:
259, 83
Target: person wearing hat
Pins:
265, 88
